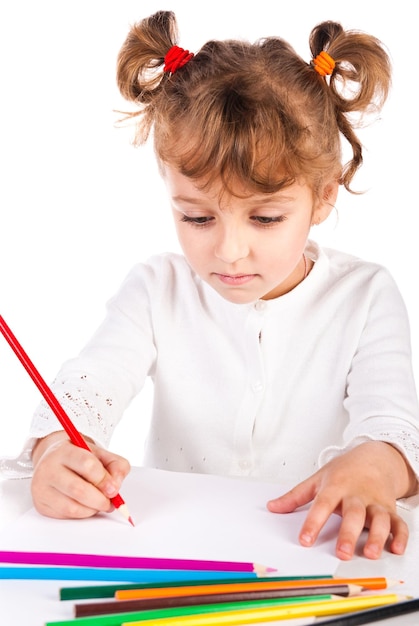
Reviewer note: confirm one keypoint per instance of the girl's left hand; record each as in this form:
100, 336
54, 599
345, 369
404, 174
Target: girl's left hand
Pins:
362, 485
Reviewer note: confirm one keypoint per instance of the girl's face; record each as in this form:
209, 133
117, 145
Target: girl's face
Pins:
246, 248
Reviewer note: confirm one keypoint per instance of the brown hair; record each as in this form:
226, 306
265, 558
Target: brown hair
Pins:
256, 114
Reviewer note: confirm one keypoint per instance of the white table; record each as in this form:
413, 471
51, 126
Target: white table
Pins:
15, 500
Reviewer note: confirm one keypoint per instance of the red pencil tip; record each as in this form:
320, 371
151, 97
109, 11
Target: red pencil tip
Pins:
123, 509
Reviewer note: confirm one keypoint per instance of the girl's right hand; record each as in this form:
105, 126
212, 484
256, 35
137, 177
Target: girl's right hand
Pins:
71, 482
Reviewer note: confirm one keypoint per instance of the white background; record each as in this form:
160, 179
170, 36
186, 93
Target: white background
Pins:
79, 205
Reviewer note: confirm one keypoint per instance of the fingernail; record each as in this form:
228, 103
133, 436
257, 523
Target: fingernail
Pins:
372, 550
306, 539
110, 490
345, 548
398, 547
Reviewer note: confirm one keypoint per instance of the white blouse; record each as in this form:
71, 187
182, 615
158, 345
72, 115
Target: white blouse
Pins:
271, 389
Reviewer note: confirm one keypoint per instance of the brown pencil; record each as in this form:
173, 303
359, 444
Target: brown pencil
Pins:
121, 606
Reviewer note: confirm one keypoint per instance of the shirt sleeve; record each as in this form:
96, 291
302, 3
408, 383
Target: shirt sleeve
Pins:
96, 387
381, 397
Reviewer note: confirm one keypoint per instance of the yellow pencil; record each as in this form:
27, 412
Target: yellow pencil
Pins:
269, 614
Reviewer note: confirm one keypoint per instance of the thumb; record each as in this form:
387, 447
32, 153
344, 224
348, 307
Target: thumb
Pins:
117, 467
299, 495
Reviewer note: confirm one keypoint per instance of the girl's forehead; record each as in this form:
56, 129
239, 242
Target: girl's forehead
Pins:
188, 193
184, 187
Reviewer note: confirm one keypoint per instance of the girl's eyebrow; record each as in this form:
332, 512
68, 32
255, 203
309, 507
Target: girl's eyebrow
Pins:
189, 199
279, 197
250, 200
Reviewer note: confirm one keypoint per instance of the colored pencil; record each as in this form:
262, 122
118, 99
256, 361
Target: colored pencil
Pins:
116, 619
225, 599
136, 562
269, 614
215, 615
377, 614
150, 592
74, 435
87, 592
107, 574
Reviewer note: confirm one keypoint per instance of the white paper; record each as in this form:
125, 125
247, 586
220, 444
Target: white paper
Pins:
177, 516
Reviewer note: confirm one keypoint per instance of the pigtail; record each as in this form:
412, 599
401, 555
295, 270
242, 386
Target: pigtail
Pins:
362, 75
141, 58
359, 83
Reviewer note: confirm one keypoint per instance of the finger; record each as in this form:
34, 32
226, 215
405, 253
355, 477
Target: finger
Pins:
64, 494
88, 466
75, 487
117, 466
322, 508
379, 525
78, 474
353, 523
400, 532
383, 524
63, 507
298, 496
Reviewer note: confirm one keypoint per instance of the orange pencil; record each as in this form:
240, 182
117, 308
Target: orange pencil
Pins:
159, 592
66, 423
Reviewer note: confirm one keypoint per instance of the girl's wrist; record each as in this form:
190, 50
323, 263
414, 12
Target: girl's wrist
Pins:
44, 443
411, 486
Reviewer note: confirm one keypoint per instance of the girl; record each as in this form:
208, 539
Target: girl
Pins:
270, 356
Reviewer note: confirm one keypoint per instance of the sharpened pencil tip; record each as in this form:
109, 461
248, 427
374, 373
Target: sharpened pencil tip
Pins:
123, 509
262, 570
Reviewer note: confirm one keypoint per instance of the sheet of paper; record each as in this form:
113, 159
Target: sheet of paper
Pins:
177, 516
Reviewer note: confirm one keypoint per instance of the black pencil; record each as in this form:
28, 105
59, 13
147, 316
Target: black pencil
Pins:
374, 615
139, 604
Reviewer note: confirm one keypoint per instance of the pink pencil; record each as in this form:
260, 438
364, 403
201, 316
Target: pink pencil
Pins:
136, 562
66, 423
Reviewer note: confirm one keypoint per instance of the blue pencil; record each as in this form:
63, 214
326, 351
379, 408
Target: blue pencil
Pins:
113, 574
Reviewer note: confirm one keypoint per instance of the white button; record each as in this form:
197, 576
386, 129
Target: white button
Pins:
244, 464
260, 305
257, 386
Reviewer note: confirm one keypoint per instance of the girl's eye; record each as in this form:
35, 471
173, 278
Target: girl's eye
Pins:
267, 221
197, 221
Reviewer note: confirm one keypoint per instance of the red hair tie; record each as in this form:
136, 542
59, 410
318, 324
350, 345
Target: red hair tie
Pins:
176, 58
324, 64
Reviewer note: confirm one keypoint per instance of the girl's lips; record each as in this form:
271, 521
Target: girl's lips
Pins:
239, 279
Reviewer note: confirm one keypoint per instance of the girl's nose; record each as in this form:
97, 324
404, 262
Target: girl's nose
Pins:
231, 246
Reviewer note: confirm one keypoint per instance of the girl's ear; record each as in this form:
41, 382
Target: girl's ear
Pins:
325, 203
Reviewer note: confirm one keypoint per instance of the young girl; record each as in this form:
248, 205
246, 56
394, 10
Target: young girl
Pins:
270, 356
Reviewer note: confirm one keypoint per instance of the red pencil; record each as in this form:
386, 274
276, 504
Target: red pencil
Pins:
74, 435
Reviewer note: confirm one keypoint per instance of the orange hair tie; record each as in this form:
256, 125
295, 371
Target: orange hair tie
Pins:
324, 64
175, 58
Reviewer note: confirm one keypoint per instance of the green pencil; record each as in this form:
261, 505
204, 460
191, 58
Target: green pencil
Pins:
131, 616
86, 592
